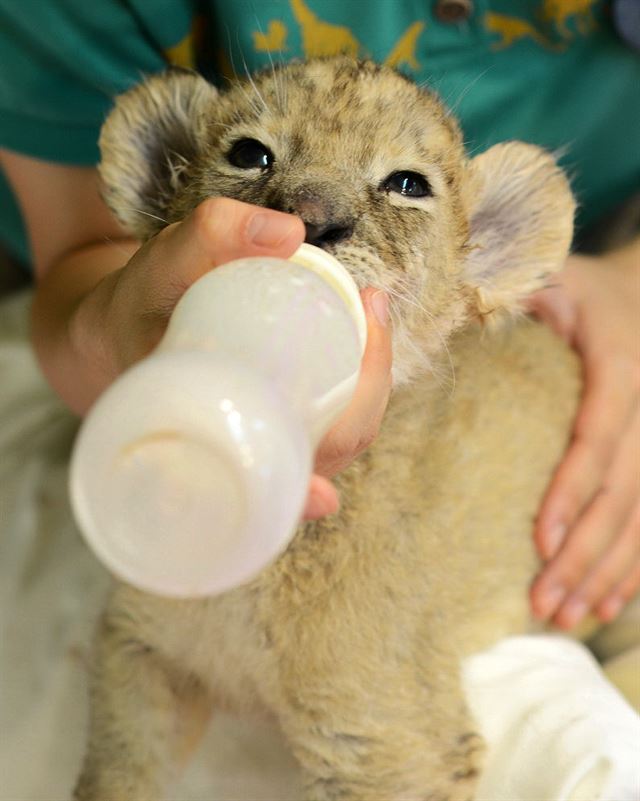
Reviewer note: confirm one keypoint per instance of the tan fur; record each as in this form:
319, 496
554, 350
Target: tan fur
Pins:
353, 639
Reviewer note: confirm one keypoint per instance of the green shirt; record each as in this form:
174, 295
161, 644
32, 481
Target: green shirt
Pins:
548, 72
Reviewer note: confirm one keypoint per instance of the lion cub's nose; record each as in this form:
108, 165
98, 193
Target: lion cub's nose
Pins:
327, 233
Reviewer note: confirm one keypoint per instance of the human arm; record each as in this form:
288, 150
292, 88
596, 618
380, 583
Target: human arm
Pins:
588, 529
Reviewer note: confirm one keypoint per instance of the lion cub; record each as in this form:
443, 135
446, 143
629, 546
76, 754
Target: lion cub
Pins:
354, 637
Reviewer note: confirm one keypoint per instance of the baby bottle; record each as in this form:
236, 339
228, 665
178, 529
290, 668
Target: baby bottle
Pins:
190, 473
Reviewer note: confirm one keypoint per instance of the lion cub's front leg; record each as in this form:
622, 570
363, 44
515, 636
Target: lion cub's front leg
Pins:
400, 768
393, 745
139, 719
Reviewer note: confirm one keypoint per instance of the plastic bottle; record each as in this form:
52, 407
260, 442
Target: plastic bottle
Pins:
190, 473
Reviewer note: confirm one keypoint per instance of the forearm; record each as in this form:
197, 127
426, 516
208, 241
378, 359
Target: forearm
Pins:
628, 256
70, 303
75, 243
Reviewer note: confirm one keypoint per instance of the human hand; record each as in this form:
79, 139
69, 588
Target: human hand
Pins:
358, 426
132, 306
588, 528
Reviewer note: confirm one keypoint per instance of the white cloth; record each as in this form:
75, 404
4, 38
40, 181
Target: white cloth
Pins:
556, 729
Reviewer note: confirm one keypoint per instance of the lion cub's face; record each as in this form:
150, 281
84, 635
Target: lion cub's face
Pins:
371, 163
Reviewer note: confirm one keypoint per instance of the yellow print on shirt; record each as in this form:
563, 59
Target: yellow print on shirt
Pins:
405, 51
322, 38
182, 54
185, 53
274, 40
511, 30
560, 11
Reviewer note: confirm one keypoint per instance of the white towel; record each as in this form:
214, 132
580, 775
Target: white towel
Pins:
556, 729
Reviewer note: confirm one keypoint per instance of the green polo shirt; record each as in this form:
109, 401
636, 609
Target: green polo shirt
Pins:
549, 72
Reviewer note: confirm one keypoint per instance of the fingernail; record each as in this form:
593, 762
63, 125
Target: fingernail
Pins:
380, 307
550, 601
610, 609
318, 505
554, 539
573, 611
270, 229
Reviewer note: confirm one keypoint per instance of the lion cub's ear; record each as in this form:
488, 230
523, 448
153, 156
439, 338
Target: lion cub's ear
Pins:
521, 211
148, 141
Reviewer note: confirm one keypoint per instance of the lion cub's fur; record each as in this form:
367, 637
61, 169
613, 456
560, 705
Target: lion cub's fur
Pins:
354, 637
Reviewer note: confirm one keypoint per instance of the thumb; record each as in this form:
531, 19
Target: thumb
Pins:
220, 230
359, 424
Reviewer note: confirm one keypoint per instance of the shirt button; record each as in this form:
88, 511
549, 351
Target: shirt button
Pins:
453, 10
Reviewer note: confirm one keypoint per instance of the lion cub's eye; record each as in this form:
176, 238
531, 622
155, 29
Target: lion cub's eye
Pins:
410, 184
249, 154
